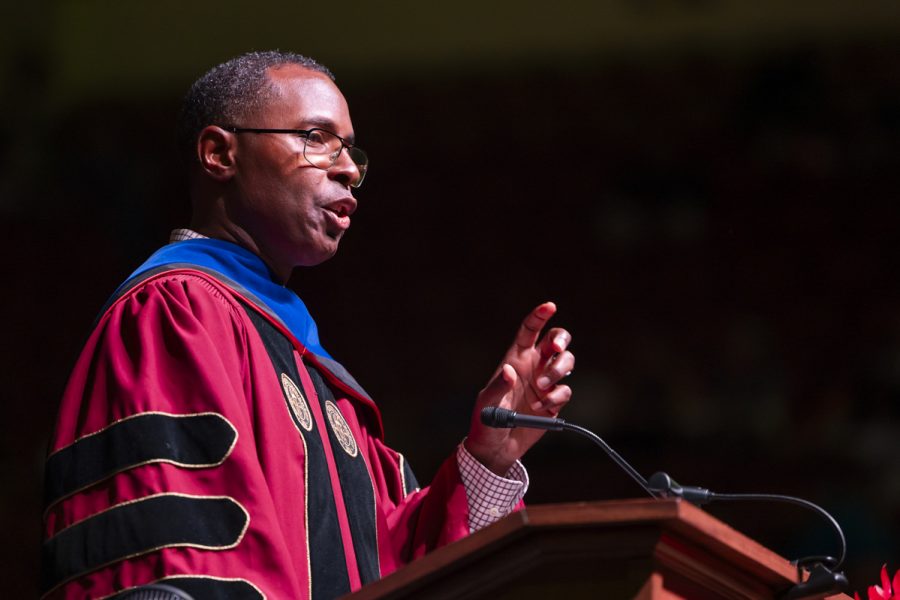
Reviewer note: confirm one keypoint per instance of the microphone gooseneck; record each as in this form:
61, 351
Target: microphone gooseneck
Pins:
823, 577
664, 485
494, 416
667, 487
623, 464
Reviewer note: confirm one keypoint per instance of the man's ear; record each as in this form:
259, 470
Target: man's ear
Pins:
215, 149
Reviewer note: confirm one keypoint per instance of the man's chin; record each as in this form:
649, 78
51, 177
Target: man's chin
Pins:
312, 259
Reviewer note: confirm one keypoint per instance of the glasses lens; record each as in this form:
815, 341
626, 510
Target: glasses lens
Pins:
361, 160
323, 149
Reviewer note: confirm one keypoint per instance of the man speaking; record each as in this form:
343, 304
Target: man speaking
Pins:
206, 439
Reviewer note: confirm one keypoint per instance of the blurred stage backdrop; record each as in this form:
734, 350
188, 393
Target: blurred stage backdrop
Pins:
707, 188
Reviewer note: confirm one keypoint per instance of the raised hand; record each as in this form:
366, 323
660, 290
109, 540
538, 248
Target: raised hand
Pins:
527, 381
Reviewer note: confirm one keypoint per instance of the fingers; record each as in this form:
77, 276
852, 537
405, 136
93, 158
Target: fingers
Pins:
555, 342
554, 401
552, 363
556, 369
558, 366
531, 327
499, 386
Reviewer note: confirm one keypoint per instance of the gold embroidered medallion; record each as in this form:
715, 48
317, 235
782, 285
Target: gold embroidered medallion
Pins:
341, 429
297, 402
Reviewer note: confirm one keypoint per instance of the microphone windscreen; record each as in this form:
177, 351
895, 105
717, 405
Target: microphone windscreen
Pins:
494, 416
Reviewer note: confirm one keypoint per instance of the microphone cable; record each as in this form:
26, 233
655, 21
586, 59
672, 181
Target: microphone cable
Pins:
823, 576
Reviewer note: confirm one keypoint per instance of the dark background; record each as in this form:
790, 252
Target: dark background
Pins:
708, 190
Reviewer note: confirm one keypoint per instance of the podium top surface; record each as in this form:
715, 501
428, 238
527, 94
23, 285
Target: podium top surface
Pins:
675, 516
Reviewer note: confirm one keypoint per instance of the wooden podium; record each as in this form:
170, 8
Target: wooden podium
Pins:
641, 549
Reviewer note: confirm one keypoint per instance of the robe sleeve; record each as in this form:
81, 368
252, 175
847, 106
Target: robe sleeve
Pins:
417, 520
154, 472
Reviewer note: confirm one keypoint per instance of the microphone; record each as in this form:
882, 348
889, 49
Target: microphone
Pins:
666, 487
157, 591
822, 578
501, 418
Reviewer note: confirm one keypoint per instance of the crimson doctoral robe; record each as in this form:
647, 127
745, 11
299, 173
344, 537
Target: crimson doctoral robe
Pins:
200, 444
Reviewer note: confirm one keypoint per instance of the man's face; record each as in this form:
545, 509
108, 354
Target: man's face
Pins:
295, 213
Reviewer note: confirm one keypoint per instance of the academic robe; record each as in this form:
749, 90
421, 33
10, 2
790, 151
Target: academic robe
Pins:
199, 443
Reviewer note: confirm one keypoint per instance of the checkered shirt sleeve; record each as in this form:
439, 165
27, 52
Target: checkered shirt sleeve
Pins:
490, 496
180, 235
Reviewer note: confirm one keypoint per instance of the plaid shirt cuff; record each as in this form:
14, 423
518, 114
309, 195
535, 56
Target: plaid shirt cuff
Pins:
180, 235
490, 496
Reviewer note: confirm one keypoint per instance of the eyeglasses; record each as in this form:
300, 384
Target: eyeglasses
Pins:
321, 148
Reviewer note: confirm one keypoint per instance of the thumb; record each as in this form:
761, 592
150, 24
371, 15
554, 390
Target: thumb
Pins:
495, 393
